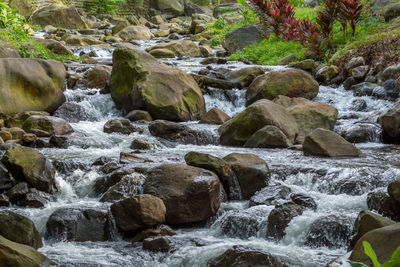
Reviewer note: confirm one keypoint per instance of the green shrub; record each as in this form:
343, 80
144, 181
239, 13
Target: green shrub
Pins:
268, 52
15, 31
107, 6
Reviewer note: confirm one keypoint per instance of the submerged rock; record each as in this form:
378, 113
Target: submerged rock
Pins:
122, 126
330, 231
180, 133
280, 217
190, 194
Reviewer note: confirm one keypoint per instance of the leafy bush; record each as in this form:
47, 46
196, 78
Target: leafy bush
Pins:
15, 31
107, 6
393, 262
268, 52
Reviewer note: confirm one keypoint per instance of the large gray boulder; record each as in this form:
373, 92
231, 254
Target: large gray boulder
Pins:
242, 37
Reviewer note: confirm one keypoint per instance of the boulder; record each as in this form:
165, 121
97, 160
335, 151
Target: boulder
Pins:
46, 126
390, 122
361, 133
135, 33
97, 77
159, 243
162, 53
304, 201
366, 222
78, 225
309, 115
29, 165
392, 12
19, 229
8, 51
81, 40
245, 76
215, 116
59, 16
180, 133
142, 144
382, 203
291, 83
54, 46
325, 143
280, 217
19, 255
139, 115
264, 112
271, 195
219, 167
268, 137
238, 256
17, 192
73, 112
161, 230
180, 48
122, 126
31, 84
251, 171
23, 7
190, 194
329, 231
137, 213
35, 199
6, 179
391, 72
384, 242
169, 8
325, 74
165, 92
394, 190
242, 37
128, 186
364, 89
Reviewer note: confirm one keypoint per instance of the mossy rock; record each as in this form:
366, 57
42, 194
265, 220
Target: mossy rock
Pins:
238, 130
139, 81
59, 16
291, 83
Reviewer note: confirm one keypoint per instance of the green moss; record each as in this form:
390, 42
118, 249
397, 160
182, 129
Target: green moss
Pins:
268, 52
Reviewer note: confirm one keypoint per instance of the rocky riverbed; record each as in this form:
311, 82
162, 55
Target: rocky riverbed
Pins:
160, 152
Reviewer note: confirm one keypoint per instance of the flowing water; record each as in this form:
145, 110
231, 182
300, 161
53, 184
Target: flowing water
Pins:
339, 186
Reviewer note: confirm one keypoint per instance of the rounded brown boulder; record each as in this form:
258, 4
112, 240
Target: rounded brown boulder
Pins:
291, 83
139, 212
190, 194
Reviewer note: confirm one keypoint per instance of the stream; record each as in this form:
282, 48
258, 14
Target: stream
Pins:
338, 186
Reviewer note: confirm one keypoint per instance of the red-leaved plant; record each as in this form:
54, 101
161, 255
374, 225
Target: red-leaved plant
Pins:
278, 16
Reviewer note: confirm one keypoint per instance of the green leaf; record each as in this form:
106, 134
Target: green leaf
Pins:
371, 254
396, 254
392, 263
357, 264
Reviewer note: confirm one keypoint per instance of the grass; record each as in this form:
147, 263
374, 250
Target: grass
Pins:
268, 52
